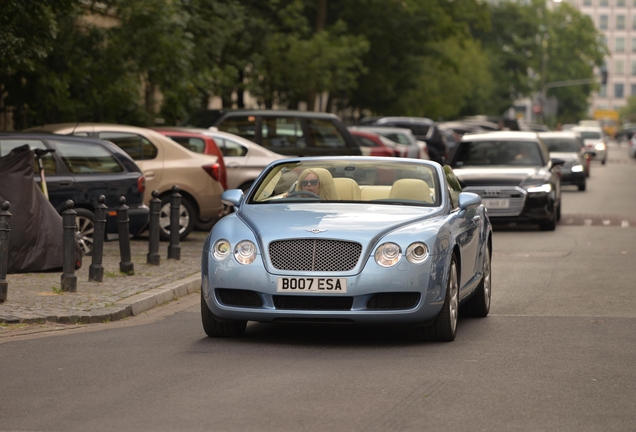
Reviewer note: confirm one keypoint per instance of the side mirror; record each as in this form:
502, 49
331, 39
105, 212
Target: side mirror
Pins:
557, 162
232, 197
590, 153
469, 200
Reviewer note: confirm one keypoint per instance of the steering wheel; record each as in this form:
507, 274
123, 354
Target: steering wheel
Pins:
302, 192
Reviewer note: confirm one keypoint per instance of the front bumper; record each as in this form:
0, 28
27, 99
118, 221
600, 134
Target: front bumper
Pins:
425, 283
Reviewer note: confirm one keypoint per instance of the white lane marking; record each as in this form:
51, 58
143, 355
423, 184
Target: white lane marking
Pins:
606, 222
624, 224
587, 222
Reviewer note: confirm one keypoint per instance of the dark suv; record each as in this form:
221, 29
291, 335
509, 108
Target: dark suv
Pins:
292, 133
82, 169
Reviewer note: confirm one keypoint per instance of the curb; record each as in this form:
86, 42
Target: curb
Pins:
129, 306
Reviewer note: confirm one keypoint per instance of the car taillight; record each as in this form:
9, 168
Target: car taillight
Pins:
141, 184
213, 170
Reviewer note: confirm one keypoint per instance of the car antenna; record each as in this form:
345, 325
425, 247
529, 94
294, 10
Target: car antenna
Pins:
74, 127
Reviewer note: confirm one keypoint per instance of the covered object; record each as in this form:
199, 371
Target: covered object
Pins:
36, 237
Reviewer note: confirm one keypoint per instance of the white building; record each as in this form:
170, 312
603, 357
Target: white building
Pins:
616, 20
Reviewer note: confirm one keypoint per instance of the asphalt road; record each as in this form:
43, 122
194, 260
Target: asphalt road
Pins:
557, 352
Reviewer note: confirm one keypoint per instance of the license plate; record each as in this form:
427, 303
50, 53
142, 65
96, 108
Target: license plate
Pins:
322, 285
496, 203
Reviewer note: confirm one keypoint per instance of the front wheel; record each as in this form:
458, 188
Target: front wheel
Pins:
551, 224
444, 328
216, 328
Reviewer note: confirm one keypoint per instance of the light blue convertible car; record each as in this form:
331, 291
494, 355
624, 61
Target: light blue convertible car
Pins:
351, 240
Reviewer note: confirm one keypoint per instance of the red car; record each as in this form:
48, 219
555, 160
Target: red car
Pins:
372, 144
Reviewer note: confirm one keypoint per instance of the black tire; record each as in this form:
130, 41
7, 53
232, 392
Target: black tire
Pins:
204, 224
187, 218
479, 304
582, 186
444, 328
216, 328
603, 161
551, 224
559, 212
85, 229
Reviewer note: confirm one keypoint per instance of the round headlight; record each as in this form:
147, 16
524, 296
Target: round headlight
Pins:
417, 253
245, 252
221, 249
388, 254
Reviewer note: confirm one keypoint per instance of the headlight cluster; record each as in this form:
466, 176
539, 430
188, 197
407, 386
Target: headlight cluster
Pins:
577, 168
389, 254
244, 252
600, 146
545, 188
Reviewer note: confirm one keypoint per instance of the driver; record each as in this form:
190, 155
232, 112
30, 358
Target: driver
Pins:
317, 181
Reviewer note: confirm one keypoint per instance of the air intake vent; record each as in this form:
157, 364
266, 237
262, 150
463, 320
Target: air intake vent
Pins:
312, 302
398, 300
238, 297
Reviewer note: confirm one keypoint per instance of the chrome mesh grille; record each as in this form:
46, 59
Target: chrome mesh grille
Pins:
515, 196
314, 255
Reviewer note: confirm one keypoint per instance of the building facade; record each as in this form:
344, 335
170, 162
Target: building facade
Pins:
616, 20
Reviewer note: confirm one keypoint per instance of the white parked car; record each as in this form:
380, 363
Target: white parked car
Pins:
406, 145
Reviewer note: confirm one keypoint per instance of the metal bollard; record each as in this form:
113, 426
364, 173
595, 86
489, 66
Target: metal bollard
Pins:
153, 230
174, 250
69, 279
125, 265
5, 228
96, 270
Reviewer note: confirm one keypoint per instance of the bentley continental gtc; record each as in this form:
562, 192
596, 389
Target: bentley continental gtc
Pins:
349, 240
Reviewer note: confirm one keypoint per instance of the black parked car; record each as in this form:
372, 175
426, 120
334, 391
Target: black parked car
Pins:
82, 169
291, 133
423, 128
513, 174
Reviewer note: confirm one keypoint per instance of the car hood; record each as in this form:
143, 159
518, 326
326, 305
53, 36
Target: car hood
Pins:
341, 221
496, 176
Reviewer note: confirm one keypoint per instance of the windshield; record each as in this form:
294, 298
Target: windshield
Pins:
590, 135
487, 153
346, 180
562, 145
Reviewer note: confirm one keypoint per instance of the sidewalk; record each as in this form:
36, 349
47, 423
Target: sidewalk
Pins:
35, 298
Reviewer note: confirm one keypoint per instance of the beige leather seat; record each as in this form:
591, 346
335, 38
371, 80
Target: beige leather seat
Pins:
347, 189
411, 189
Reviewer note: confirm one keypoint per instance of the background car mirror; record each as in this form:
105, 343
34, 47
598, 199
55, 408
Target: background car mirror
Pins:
232, 197
557, 162
590, 153
468, 200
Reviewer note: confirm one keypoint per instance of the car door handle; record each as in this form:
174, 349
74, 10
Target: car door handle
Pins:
232, 165
64, 183
149, 175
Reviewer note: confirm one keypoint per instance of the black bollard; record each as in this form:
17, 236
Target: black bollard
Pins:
69, 279
5, 228
153, 230
174, 250
96, 270
125, 265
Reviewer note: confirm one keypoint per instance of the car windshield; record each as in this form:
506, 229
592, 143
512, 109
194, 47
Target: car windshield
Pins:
496, 152
590, 135
562, 145
347, 180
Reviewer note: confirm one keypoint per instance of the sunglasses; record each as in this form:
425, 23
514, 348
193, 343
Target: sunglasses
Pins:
313, 182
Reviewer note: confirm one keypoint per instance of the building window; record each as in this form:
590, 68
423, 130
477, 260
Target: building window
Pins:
619, 67
602, 22
633, 93
587, 2
620, 3
603, 91
618, 91
619, 46
634, 44
604, 3
620, 22
634, 67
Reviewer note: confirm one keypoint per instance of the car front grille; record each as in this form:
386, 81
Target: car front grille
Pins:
398, 300
306, 302
314, 255
238, 297
515, 196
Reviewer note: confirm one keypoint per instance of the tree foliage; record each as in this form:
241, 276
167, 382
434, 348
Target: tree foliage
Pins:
168, 58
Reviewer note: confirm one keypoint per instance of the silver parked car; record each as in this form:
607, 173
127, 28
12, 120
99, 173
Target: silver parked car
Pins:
406, 145
594, 141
